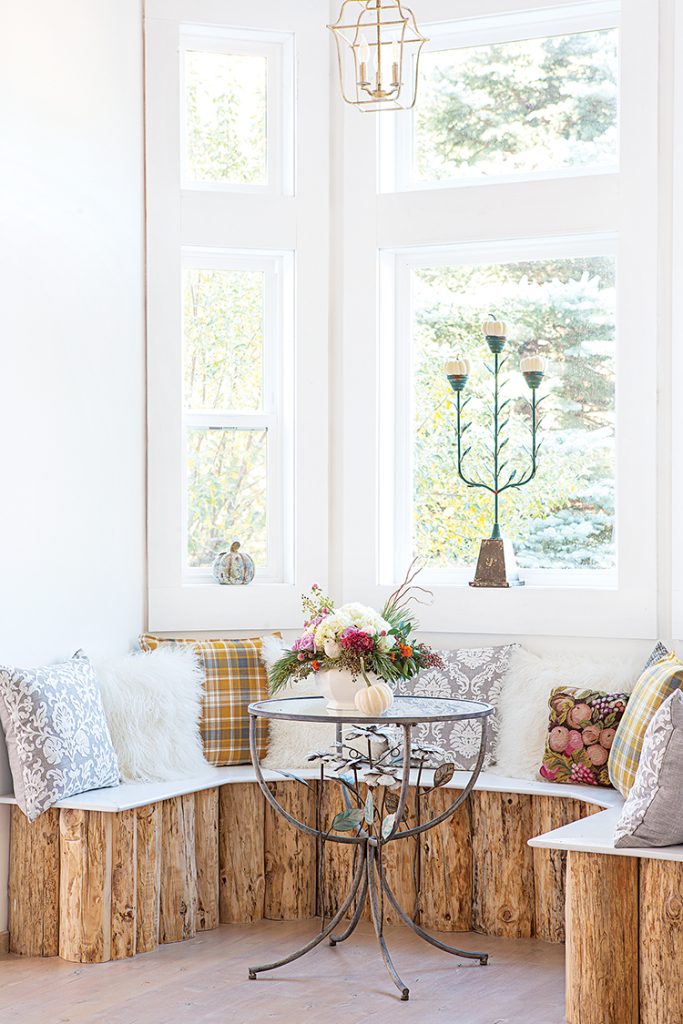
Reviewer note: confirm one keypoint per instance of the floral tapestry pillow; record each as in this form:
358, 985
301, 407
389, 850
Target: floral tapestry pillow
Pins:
581, 731
57, 738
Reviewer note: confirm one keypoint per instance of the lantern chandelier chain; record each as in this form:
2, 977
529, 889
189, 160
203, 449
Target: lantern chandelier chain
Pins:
378, 51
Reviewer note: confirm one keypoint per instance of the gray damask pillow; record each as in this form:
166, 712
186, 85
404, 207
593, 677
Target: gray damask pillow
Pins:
468, 674
56, 732
653, 812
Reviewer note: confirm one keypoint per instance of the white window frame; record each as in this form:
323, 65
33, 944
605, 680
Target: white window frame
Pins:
287, 226
624, 204
397, 157
277, 49
275, 415
396, 298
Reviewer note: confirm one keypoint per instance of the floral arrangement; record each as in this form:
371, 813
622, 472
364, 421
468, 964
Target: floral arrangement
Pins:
358, 639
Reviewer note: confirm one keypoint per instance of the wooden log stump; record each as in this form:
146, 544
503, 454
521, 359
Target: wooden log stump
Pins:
206, 853
602, 939
148, 822
337, 868
178, 871
85, 886
123, 885
550, 866
661, 938
290, 856
34, 884
446, 866
241, 853
503, 867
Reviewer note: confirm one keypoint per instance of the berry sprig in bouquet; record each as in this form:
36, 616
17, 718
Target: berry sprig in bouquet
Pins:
357, 639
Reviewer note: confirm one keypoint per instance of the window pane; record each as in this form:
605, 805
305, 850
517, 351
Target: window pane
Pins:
223, 339
225, 97
517, 107
227, 493
565, 310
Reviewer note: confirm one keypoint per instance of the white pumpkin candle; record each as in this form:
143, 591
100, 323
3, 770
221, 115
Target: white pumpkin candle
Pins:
533, 364
457, 368
495, 329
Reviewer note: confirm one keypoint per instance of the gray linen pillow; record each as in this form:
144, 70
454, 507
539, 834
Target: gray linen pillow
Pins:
56, 732
468, 674
653, 813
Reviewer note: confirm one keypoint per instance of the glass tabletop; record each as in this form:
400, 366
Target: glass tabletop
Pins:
404, 710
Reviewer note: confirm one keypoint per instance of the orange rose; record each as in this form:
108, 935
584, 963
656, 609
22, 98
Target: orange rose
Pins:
406, 651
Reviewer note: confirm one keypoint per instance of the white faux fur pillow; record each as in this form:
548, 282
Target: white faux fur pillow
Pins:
523, 705
153, 705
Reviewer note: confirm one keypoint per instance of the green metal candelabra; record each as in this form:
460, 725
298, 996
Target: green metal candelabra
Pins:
496, 566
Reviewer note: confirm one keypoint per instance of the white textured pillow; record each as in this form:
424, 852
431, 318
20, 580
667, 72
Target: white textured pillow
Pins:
290, 743
523, 704
153, 705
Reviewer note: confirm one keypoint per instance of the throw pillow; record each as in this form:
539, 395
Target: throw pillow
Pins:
659, 652
56, 732
652, 814
581, 731
153, 704
656, 683
468, 674
234, 678
523, 705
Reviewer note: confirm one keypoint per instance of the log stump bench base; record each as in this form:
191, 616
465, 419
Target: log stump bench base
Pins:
93, 886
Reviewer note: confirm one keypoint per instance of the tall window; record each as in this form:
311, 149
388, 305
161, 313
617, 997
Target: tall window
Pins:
234, 244
504, 101
518, 186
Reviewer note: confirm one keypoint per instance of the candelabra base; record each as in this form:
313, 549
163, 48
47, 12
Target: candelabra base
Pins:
496, 566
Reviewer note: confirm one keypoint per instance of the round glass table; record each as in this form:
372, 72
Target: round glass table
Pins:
374, 757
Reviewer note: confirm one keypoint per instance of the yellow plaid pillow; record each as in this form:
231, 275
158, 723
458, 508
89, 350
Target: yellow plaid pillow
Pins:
234, 677
656, 683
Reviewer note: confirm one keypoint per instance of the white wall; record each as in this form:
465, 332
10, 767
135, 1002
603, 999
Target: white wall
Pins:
72, 407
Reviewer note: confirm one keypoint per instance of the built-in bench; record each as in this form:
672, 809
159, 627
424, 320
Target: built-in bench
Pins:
118, 871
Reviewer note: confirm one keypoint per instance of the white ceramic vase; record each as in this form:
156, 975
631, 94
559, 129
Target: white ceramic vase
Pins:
340, 688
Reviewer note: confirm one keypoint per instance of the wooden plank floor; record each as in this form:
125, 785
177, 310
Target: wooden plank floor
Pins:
205, 981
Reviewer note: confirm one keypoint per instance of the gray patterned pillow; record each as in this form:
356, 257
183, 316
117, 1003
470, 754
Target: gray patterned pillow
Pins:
653, 813
659, 652
468, 674
56, 732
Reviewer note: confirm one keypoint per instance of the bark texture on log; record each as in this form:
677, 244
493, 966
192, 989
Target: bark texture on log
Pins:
206, 852
661, 939
446, 866
290, 856
178, 871
602, 939
85, 886
34, 884
123, 885
148, 857
503, 866
337, 867
241, 853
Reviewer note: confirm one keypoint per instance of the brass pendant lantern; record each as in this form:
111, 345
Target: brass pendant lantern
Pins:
378, 49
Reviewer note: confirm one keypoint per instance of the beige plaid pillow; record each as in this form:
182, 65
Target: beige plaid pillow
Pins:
234, 677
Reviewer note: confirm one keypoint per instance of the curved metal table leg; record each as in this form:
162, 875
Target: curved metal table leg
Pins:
483, 958
316, 940
379, 927
353, 923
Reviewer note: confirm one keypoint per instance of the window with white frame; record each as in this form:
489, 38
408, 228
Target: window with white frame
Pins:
513, 97
234, 241
518, 186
